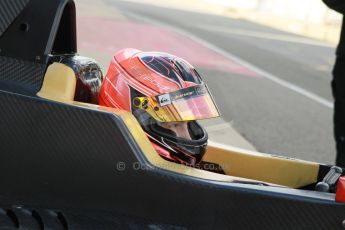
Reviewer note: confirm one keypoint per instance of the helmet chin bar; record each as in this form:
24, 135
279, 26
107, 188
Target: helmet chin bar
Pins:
184, 151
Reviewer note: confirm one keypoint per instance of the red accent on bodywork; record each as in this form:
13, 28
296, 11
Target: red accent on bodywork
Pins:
162, 152
340, 194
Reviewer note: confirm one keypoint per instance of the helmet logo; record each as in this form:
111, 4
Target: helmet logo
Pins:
164, 99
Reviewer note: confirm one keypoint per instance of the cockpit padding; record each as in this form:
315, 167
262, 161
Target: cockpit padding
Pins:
86, 79
89, 78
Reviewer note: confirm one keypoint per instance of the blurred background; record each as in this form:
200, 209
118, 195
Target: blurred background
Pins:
308, 17
268, 63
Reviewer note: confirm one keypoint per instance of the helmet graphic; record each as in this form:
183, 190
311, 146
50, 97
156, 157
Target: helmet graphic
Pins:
159, 88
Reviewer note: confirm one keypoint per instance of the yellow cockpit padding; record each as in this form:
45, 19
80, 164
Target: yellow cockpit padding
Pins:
151, 154
59, 83
264, 167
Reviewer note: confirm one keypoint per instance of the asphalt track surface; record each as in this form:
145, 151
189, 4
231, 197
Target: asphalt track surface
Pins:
272, 87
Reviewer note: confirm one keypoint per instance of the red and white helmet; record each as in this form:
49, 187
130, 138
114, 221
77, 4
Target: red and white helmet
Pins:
156, 88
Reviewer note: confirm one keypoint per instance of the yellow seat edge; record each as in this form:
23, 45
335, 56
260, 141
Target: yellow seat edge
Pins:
59, 83
151, 154
263, 167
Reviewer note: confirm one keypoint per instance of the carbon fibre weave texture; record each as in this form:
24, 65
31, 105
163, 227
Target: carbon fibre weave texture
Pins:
9, 10
56, 155
27, 74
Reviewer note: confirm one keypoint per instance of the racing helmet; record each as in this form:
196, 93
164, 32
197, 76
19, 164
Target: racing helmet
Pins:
159, 87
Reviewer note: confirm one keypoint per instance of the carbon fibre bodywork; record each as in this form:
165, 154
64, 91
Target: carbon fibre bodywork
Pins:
60, 165
65, 157
31, 33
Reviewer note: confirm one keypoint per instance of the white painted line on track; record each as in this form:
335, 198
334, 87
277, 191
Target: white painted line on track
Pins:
217, 127
269, 36
244, 63
221, 131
